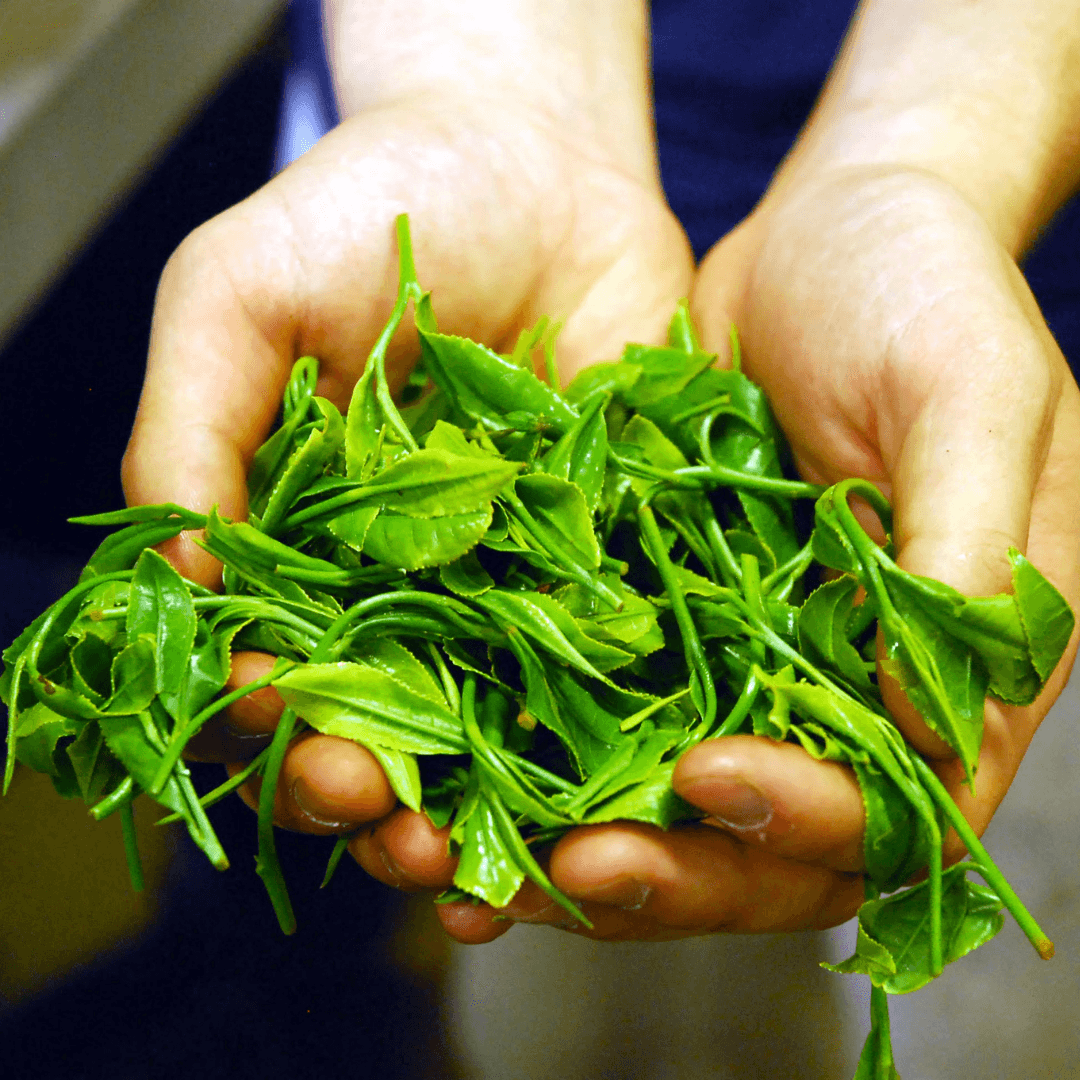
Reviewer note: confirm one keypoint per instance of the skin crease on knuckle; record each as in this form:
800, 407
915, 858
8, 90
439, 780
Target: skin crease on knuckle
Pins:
327, 785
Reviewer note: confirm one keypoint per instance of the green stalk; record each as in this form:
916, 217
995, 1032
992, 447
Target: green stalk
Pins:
722, 552
183, 735
794, 567
734, 719
986, 867
736, 478
884, 1067
719, 402
549, 356
751, 579
222, 790
267, 865
934, 867
124, 793
131, 847
695, 654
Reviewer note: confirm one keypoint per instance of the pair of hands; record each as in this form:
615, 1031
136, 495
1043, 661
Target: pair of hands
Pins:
893, 334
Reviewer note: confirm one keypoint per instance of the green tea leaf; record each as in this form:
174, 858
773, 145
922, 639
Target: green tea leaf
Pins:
486, 866
894, 943
822, 629
134, 678
386, 654
159, 605
665, 370
549, 625
1048, 620
369, 706
403, 773
121, 550
38, 733
560, 518
413, 543
651, 800
487, 387
305, 464
465, 576
580, 455
435, 483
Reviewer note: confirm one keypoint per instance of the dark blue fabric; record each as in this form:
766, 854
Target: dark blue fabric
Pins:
307, 50
733, 84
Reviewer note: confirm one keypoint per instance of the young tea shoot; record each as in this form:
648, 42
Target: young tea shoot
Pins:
527, 602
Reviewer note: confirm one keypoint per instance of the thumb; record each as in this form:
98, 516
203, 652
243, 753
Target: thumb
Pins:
216, 369
969, 456
721, 288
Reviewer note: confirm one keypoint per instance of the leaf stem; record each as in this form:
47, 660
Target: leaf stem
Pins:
736, 478
721, 550
986, 867
222, 790
734, 719
123, 793
695, 654
267, 865
183, 735
131, 846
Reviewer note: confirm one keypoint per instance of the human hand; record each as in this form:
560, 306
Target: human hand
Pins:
527, 166
881, 308
897, 341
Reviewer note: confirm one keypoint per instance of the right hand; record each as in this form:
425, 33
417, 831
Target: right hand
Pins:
517, 210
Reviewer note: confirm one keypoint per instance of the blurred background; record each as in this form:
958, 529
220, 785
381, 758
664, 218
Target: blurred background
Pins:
123, 125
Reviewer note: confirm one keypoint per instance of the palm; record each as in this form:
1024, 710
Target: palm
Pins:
897, 341
510, 223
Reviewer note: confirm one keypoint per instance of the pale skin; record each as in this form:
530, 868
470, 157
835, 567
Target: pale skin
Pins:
877, 294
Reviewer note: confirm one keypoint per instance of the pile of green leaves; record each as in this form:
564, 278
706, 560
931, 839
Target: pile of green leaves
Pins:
527, 602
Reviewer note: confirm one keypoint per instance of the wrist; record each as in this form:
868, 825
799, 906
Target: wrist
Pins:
983, 97
581, 69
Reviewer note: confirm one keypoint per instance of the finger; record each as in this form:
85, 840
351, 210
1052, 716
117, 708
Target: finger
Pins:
472, 924
777, 798
478, 923
693, 880
406, 851
327, 785
215, 372
719, 296
637, 882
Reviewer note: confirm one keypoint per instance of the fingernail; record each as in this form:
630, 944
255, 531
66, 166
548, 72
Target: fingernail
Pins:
543, 915
392, 868
626, 893
297, 791
734, 803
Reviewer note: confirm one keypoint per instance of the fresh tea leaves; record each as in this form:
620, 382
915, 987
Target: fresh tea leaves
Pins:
527, 603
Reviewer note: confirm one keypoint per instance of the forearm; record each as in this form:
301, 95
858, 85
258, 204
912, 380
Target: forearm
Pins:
985, 95
583, 66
